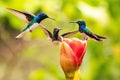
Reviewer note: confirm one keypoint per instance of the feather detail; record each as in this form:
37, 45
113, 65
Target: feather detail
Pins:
22, 15
68, 34
91, 35
100, 36
34, 26
47, 32
20, 35
27, 30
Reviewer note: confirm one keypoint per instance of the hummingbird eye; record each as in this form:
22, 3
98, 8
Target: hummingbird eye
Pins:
79, 22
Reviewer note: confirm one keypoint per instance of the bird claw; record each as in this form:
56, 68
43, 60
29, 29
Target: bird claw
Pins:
85, 38
30, 30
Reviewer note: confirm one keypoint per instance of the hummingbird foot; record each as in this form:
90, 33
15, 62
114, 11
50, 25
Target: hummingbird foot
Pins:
85, 38
30, 30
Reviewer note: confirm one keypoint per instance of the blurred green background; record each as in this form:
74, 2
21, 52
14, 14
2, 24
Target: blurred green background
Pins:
34, 57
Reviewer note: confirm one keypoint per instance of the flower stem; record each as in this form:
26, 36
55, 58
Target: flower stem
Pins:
76, 76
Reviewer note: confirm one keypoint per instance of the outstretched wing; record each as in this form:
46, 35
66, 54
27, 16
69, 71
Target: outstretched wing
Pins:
68, 34
48, 33
22, 15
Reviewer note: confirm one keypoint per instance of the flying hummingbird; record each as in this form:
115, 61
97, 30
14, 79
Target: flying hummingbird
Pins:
55, 37
86, 32
32, 20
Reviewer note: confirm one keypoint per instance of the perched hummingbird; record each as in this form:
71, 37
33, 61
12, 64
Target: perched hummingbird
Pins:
32, 20
55, 37
86, 32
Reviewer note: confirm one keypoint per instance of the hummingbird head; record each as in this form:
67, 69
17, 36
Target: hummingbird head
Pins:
82, 25
80, 22
55, 33
42, 16
56, 30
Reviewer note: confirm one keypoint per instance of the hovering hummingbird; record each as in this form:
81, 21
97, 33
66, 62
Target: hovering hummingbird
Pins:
55, 37
32, 20
86, 32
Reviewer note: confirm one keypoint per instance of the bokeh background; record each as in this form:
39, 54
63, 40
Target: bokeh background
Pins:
34, 57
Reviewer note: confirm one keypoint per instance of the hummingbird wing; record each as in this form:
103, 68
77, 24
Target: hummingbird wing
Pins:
27, 17
47, 32
68, 34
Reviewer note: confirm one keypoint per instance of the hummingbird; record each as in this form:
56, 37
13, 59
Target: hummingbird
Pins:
55, 37
32, 20
86, 32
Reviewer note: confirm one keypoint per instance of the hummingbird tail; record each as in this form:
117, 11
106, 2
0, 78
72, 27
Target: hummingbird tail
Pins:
100, 36
96, 37
20, 35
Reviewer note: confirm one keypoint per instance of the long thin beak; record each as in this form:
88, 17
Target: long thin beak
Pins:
52, 18
72, 22
59, 28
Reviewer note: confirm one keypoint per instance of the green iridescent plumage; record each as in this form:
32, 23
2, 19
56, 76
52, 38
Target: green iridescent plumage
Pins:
32, 20
29, 25
86, 32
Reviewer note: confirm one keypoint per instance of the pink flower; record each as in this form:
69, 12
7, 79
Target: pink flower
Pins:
72, 52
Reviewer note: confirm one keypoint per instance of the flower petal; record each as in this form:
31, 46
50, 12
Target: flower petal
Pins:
67, 60
72, 52
78, 47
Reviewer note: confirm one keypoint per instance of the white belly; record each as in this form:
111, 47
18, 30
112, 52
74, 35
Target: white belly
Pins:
56, 42
35, 25
84, 36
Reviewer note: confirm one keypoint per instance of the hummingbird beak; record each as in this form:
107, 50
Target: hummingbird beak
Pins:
52, 18
59, 28
72, 22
